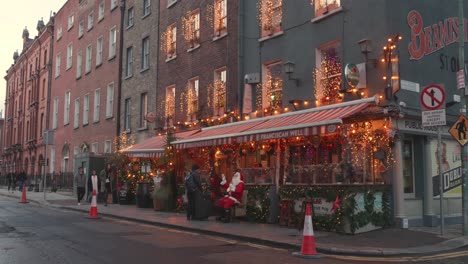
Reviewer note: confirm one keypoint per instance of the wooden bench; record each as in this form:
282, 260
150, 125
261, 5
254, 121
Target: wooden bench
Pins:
240, 210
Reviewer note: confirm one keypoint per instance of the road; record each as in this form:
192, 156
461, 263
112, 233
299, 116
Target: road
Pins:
33, 234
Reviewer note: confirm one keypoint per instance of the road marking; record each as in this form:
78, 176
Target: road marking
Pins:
399, 259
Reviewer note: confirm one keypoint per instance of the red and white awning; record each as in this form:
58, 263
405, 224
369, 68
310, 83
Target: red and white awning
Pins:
153, 147
319, 120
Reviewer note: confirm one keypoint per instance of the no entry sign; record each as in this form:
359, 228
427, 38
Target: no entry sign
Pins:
433, 97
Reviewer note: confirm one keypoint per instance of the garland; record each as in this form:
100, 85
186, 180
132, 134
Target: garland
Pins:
348, 207
258, 203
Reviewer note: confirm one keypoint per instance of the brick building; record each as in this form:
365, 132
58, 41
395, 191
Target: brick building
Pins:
198, 65
139, 68
26, 103
85, 81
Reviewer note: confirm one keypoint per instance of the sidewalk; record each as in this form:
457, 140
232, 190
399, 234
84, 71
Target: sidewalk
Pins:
384, 242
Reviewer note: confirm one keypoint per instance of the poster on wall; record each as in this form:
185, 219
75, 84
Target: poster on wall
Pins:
451, 168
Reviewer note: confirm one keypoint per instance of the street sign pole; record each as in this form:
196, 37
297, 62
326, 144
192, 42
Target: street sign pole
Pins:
464, 153
441, 180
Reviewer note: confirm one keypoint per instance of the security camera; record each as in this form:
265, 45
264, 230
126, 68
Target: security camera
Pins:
402, 104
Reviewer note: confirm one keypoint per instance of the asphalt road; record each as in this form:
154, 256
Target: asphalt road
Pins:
39, 235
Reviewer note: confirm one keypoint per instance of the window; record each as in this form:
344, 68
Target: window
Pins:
219, 91
127, 115
107, 146
85, 109
170, 102
146, 7
171, 38
101, 11
89, 53
408, 165
90, 20
76, 150
66, 108
114, 4
130, 17
78, 64
57, 65
129, 62
271, 13
59, 33
99, 51
71, 20
110, 100
143, 109
220, 17
97, 105
272, 88
52, 159
192, 98
69, 55
55, 117
145, 53
95, 147
328, 74
112, 42
76, 116
323, 7
81, 29
192, 29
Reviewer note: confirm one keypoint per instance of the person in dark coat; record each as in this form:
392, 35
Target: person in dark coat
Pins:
193, 189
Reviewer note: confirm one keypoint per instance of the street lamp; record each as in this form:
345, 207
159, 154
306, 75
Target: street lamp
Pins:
288, 68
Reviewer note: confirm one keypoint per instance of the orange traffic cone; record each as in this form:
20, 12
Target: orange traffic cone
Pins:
93, 210
23, 195
308, 249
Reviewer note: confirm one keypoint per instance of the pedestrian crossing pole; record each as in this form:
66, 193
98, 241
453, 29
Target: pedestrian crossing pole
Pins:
463, 112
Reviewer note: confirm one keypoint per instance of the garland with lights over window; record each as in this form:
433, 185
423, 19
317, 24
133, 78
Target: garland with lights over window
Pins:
327, 78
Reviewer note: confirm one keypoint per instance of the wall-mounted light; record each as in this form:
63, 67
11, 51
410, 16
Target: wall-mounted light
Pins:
366, 48
288, 68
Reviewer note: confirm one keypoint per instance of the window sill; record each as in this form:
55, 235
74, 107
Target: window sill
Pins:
88, 72
68, 29
109, 117
142, 129
194, 48
90, 28
171, 58
129, 27
171, 4
146, 15
128, 77
68, 68
98, 65
95, 121
113, 8
80, 36
274, 35
331, 13
224, 34
144, 70
100, 19
76, 127
85, 124
111, 58
78, 77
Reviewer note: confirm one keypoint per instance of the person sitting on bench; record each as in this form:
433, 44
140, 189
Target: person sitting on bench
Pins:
234, 190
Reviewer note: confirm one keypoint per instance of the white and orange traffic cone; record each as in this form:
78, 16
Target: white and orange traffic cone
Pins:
23, 195
93, 214
308, 249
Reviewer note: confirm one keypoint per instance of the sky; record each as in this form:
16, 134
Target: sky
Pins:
12, 24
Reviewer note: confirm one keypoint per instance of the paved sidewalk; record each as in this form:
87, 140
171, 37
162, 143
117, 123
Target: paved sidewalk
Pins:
383, 242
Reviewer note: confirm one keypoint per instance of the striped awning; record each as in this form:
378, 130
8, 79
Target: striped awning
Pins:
153, 147
319, 120
308, 122
217, 135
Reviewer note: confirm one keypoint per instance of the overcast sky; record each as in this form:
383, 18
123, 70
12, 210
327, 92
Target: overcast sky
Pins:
17, 15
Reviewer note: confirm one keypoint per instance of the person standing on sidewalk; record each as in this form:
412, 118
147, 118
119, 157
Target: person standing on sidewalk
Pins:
10, 182
94, 184
105, 176
193, 189
80, 182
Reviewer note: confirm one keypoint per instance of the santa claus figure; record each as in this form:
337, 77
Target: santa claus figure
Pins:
234, 191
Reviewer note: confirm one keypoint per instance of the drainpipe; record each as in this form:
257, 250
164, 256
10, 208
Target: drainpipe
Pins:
240, 53
119, 82
157, 68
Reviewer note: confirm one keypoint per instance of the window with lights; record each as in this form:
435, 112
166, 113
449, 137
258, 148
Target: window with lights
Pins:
327, 75
219, 92
323, 7
271, 15
192, 99
220, 17
170, 38
170, 102
271, 98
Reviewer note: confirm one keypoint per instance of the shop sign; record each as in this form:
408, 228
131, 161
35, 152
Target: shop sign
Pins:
451, 180
416, 127
352, 74
322, 207
281, 134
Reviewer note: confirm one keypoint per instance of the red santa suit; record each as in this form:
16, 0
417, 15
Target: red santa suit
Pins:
235, 189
